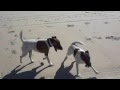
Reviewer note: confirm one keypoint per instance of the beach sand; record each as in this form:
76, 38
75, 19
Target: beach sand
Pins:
99, 30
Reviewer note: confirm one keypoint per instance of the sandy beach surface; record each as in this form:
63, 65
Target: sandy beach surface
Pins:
99, 30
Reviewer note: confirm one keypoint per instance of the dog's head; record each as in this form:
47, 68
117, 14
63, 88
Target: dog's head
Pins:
86, 58
56, 43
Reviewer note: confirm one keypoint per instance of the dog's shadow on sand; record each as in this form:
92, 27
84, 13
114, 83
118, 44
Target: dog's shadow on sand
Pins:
64, 72
24, 75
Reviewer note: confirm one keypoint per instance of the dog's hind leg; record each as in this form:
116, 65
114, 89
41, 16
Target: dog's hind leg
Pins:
69, 52
67, 55
23, 55
30, 55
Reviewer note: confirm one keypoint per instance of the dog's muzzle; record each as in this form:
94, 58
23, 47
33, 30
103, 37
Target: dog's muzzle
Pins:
88, 65
60, 48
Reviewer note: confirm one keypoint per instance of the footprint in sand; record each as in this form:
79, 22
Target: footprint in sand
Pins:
87, 23
97, 37
113, 37
106, 22
88, 39
29, 30
11, 31
16, 35
70, 25
14, 52
12, 43
6, 48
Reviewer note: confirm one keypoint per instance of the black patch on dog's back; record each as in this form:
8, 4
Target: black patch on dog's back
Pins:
42, 46
75, 51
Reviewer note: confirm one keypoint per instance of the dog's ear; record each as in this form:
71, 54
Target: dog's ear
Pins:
87, 52
55, 49
54, 37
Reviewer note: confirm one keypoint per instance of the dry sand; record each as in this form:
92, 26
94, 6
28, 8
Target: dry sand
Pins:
100, 31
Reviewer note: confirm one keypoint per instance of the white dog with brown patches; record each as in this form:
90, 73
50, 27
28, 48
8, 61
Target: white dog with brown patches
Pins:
39, 45
81, 56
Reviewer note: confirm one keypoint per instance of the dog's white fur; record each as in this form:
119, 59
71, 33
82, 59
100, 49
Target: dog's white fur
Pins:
77, 57
29, 45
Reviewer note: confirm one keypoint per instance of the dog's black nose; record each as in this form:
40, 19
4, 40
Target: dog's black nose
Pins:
61, 48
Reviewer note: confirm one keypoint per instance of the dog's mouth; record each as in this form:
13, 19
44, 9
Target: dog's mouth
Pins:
58, 48
88, 65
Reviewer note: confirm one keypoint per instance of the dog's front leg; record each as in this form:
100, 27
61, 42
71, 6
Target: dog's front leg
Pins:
51, 64
77, 69
30, 55
94, 70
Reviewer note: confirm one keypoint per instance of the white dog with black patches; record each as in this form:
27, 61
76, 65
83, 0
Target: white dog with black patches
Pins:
81, 56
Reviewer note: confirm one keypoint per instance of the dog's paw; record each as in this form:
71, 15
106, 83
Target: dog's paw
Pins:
32, 61
51, 64
78, 75
97, 72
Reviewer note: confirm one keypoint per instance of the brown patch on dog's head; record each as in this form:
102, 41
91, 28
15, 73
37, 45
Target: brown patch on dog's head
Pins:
86, 58
56, 43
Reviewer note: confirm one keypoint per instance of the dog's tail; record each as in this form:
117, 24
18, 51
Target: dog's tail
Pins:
78, 42
21, 36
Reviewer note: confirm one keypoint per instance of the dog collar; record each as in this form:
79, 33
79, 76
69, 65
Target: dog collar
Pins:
49, 43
